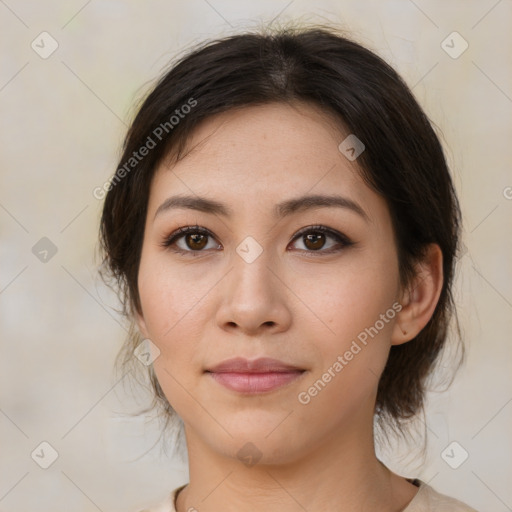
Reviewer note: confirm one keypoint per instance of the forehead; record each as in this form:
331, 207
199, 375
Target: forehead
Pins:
259, 155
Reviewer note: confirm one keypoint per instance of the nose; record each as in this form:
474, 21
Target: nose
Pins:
255, 298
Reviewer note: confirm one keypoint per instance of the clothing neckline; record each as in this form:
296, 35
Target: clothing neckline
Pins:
414, 481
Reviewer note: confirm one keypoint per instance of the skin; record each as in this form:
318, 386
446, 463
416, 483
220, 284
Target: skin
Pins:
292, 303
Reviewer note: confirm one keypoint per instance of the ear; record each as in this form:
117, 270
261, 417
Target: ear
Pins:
419, 300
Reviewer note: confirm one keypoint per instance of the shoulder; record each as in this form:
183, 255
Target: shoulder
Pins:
429, 500
168, 504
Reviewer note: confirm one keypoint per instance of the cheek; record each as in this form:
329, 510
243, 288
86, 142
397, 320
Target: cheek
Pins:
350, 360
352, 297
176, 304
167, 297
356, 302
170, 307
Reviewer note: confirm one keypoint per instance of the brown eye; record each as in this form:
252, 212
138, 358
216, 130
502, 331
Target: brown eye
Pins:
193, 240
316, 239
190, 239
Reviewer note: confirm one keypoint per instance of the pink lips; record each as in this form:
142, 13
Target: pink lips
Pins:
257, 376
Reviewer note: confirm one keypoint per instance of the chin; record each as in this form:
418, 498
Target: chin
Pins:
254, 446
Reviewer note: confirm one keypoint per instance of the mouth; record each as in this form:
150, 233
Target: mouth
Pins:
252, 377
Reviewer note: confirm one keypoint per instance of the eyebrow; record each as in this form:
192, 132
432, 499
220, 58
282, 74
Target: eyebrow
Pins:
281, 210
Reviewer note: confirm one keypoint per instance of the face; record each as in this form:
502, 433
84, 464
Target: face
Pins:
262, 276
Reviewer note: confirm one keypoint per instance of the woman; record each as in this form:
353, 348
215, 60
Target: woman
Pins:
284, 228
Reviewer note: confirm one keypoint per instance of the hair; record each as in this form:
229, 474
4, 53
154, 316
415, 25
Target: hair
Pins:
403, 161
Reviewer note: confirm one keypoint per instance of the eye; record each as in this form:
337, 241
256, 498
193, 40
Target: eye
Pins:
195, 240
314, 240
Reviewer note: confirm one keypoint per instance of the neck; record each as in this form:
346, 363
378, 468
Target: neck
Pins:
338, 471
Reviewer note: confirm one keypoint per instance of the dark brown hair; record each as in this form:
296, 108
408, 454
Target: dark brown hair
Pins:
403, 162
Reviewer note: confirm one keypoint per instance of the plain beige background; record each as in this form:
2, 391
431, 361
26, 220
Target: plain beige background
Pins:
62, 123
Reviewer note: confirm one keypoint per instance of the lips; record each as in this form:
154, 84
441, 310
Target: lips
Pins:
256, 376
261, 365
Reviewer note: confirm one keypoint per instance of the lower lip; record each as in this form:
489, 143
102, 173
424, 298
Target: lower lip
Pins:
252, 383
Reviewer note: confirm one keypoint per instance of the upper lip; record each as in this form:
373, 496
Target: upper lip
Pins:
260, 365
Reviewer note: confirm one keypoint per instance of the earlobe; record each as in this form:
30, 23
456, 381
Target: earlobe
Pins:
420, 299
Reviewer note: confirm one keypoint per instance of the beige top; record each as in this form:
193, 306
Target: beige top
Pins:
425, 500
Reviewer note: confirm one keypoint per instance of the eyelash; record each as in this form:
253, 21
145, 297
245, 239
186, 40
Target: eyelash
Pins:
340, 238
